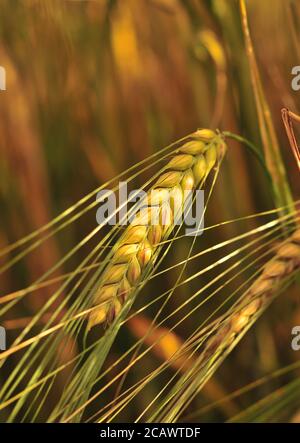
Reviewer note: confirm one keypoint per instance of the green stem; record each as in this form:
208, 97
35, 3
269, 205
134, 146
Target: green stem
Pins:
253, 149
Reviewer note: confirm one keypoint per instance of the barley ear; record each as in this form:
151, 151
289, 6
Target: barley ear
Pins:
136, 249
258, 296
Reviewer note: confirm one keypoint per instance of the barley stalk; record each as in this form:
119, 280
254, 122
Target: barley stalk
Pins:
259, 295
136, 250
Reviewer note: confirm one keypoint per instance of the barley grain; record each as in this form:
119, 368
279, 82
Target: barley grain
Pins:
137, 248
285, 262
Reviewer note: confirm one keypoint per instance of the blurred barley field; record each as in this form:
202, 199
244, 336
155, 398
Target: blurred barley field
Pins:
95, 88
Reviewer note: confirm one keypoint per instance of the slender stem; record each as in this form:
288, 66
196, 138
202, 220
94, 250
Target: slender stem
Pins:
270, 143
287, 117
254, 150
